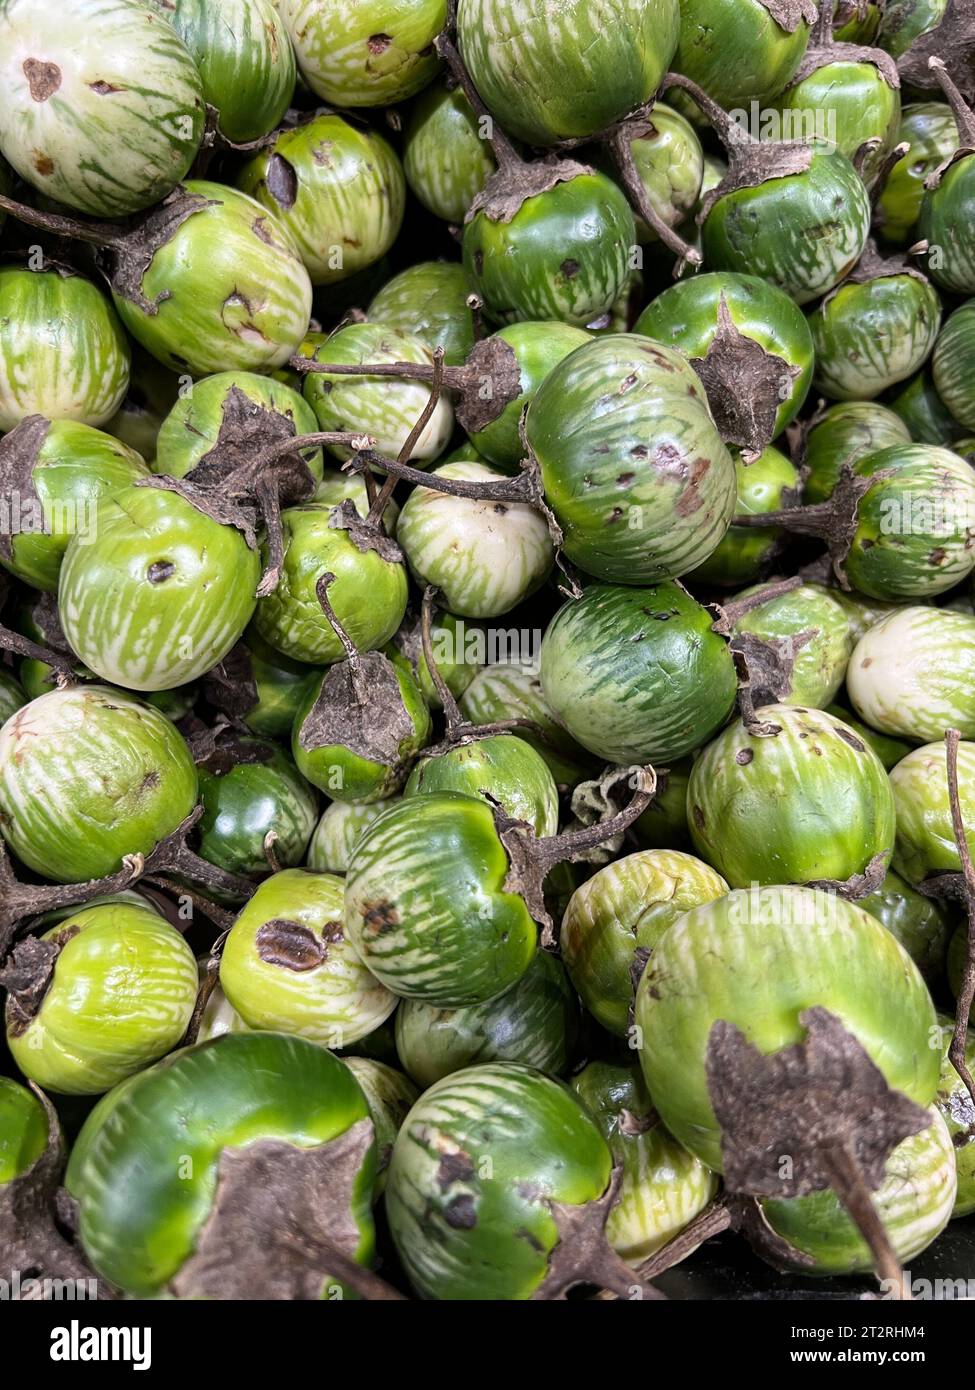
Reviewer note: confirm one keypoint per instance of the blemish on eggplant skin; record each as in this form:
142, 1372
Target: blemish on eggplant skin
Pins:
454, 1167
569, 268
744, 756
379, 918
698, 815
460, 1213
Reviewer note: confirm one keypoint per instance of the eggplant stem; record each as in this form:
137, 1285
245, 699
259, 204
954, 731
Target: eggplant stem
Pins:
853, 1191
729, 132
101, 234
962, 112
321, 590
450, 707
409, 444
503, 150
619, 143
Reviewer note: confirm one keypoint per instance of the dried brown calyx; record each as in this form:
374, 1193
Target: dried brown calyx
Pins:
282, 1224
256, 466
230, 686
745, 385
959, 886
222, 747
35, 1240
834, 521
488, 381
19, 451
815, 1115
171, 856
950, 44
359, 706
27, 975
824, 50
531, 858
583, 1254
764, 665
750, 162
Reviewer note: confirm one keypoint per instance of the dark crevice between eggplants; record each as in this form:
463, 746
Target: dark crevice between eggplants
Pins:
32, 1218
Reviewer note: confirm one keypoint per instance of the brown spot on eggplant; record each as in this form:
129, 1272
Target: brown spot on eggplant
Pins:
289, 944
744, 756
625, 479
698, 815
104, 89
460, 1214
454, 1167
43, 79
379, 918
44, 164
281, 181
849, 737
159, 571
569, 268
378, 43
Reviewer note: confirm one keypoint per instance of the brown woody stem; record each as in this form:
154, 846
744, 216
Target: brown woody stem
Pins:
851, 1187
502, 148
321, 590
619, 143
731, 613
381, 502
966, 991
100, 234
729, 132
962, 112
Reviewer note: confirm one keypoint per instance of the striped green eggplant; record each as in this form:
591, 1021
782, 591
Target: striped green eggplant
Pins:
174, 1123
842, 436
947, 220
861, 612
953, 364
913, 674
259, 794
350, 762
503, 767
813, 628
338, 832
89, 775
23, 1130
160, 595
670, 164
12, 695
928, 127
369, 54
62, 350
368, 595
688, 316
484, 557
925, 838
508, 690
919, 923
870, 334
426, 904
103, 103
632, 463
768, 484
808, 803
287, 966
626, 906
390, 1096
741, 50
802, 231
637, 675
565, 254
854, 98
226, 291
538, 348
664, 1186
924, 412
193, 426
121, 992
534, 1022
446, 159
337, 188
478, 1163
245, 58
429, 301
58, 482
378, 406
958, 1113
914, 1202
564, 70
915, 524
758, 959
